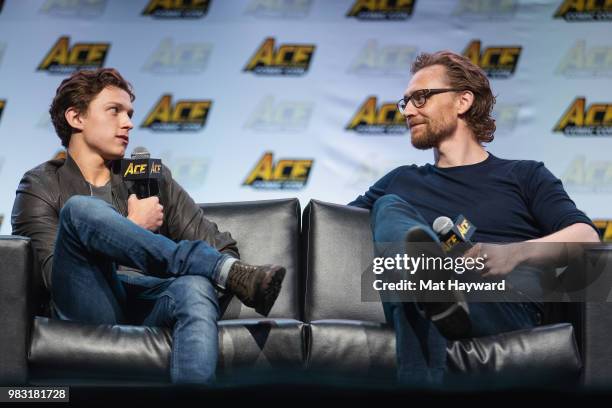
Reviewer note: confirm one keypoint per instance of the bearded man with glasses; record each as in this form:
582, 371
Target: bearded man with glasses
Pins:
447, 106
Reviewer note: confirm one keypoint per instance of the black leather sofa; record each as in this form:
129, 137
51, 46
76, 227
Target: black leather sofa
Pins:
319, 326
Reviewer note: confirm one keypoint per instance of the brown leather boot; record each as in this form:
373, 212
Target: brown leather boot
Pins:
256, 286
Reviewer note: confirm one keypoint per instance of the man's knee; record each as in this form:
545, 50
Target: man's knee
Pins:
385, 201
194, 292
79, 207
382, 221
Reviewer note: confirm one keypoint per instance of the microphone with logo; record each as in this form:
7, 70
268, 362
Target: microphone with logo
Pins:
452, 318
454, 237
142, 173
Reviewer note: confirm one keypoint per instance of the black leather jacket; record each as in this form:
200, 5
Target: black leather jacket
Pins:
45, 189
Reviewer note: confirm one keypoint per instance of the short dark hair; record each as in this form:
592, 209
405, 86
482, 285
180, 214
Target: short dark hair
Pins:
463, 74
77, 91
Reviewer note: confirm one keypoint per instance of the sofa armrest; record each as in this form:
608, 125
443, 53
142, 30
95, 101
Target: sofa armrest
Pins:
16, 263
596, 335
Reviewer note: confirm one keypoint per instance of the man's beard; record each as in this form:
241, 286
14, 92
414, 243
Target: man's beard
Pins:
429, 138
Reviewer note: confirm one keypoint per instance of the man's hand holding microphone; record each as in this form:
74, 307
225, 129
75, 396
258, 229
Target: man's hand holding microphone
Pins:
147, 213
144, 208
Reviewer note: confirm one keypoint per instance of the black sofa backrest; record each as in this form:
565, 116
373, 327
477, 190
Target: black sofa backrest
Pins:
267, 232
15, 308
337, 249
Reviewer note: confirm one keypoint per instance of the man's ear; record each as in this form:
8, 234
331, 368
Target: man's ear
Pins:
74, 118
465, 101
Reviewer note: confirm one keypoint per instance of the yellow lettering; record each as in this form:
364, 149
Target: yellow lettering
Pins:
263, 56
129, 170
472, 51
574, 58
155, 168
509, 56
283, 170
575, 173
574, 116
262, 171
569, 5
607, 235
303, 54
155, 4
463, 228
362, 5
595, 115
77, 53
284, 52
388, 114
301, 168
190, 111
607, 120
368, 57
161, 112
96, 54
140, 168
366, 114
57, 55
199, 111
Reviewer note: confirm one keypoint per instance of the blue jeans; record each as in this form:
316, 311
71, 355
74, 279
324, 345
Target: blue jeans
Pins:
421, 349
93, 238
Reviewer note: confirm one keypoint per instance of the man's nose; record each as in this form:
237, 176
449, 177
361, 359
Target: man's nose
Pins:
127, 123
409, 110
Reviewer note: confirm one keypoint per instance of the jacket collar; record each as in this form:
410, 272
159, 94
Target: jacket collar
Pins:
72, 182
71, 179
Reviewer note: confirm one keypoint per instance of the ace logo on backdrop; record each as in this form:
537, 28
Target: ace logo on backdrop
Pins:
578, 120
581, 61
383, 60
2, 48
506, 117
382, 9
170, 58
279, 8
593, 176
287, 59
284, 115
184, 115
63, 59
486, 8
605, 229
286, 174
498, 62
74, 8
176, 8
371, 119
585, 10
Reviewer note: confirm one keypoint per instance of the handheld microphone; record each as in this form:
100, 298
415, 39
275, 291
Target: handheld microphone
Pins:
143, 172
455, 237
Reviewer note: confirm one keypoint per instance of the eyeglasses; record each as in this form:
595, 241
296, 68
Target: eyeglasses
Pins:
419, 98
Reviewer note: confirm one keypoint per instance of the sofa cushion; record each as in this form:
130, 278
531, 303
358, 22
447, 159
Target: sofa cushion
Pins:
64, 350
261, 344
544, 349
338, 250
267, 232
356, 348
548, 353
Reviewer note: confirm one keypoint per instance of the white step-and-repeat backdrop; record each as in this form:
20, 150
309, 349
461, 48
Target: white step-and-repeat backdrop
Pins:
262, 99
